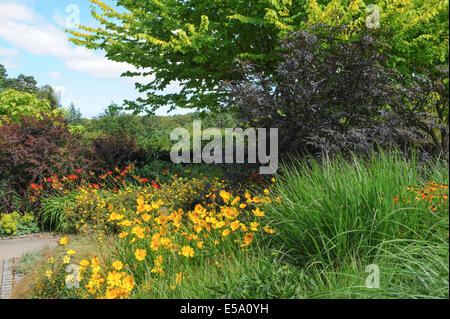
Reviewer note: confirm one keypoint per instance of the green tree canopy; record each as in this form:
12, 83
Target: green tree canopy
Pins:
196, 42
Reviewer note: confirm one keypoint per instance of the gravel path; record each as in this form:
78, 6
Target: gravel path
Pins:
14, 248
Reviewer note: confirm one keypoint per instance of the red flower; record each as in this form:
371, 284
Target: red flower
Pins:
155, 185
143, 180
109, 173
95, 186
165, 172
36, 187
79, 171
72, 177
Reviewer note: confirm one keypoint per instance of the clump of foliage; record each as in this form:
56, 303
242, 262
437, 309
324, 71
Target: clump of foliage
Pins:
328, 95
14, 224
196, 43
36, 148
14, 105
117, 151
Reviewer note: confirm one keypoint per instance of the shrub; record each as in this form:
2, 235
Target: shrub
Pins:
117, 151
37, 148
15, 105
329, 95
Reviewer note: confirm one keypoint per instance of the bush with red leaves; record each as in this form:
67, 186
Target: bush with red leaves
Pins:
37, 148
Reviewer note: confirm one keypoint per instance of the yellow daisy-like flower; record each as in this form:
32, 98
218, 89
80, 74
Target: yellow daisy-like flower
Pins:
258, 212
117, 265
48, 274
187, 251
66, 259
63, 241
235, 225
71, 252
248, 237
140, 254
84, 263
123, 234
225, 195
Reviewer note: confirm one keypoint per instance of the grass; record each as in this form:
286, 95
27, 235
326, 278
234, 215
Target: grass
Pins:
338, 217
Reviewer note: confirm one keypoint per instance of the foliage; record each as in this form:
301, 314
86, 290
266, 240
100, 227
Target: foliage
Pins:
22, 83
196, 43
36, 148
14, 224
14, 105
335, 210
416, 40
328, 96
118, 150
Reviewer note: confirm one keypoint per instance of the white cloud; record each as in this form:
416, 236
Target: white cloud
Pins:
5, 52
59, 89
10, 64
28, 31
54, 75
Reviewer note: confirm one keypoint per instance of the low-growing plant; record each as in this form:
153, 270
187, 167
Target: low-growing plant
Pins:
14, 224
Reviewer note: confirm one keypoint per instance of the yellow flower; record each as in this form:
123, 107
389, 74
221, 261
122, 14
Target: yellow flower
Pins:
51, 260
225, 195
95, 261
84, 263
266, 191
114, 279
63, 241
178, 278
187, 251
200, 244
234, 225
268, 230
128, 283
258, 213
66, 259
123, 234
242, 206
117, 265
248, 237
138, 231
226, 232
71, 252
48, 274
140, 254
254, 226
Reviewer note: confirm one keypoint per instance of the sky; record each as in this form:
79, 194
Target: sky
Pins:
33, 42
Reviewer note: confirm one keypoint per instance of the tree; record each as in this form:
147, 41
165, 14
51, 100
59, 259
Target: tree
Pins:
192, 42
196, 42
48, 93
22, 83
74, 115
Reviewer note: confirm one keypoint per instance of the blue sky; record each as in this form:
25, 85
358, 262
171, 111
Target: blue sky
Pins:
33, 42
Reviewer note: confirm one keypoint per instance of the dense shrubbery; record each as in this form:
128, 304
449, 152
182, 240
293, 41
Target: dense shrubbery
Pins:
36, 148
330, 95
